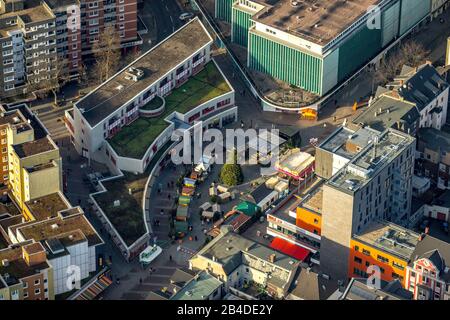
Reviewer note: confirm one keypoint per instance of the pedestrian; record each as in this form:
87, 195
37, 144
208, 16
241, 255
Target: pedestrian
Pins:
162, 211
168, 184
170, 257
140, 280
196, 238
168, 196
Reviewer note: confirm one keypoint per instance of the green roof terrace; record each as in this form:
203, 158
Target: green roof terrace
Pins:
134, 139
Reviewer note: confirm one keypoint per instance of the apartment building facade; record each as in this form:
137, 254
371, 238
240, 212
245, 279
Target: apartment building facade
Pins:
28, 46
31, 165
98, 14
39, 38
375, 184
433, 156
25, 273
428, 275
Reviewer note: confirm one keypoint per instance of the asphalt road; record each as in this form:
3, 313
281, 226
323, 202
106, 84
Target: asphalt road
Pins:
166, 14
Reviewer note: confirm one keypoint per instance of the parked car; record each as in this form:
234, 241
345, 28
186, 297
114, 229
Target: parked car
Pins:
186, 16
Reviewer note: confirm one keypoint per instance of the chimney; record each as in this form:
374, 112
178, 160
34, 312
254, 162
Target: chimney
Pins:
272, 258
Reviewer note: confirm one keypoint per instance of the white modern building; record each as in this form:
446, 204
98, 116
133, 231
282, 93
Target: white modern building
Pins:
129, 118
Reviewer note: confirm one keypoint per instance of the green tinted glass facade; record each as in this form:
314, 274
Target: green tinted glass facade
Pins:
363, 46
223, 9
285, 63
241, 24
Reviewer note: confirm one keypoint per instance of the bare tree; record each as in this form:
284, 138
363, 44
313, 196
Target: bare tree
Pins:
56, 78
107, 54
413, 53
409, 53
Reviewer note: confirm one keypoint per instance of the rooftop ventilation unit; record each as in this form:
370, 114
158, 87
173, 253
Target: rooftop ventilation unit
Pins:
134, 74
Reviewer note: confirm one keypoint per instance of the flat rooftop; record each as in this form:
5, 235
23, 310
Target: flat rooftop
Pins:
229, 248
133, 140
314, 200
34, 147
47, 206
34, 12
370, 161
392, 111
127, 216
67, 228
199, 288
318, 21
18, 268
107, 98
346, 142
390, 238
16, 120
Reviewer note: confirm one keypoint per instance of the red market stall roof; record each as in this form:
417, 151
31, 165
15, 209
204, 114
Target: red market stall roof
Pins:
289, 249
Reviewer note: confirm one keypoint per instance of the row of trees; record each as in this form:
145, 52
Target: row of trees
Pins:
107, 60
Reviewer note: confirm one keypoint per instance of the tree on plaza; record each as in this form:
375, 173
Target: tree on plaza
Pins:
231, 173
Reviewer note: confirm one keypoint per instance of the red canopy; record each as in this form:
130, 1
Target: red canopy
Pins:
290, 249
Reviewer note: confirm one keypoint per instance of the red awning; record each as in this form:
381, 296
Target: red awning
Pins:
290, 249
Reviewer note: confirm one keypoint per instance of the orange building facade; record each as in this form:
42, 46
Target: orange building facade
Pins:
363, 255
309, 220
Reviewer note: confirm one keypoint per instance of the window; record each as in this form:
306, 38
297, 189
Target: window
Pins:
382, 259
399, 266
366, 252
37, 291
358, 260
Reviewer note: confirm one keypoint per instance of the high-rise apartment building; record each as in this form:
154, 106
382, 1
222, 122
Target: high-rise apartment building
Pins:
38, 38
376, 184
27, 46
